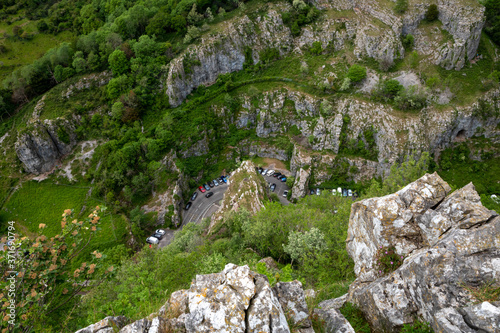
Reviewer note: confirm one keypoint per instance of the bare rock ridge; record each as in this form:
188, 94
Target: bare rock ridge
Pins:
44, 143
246, 191
450, 241
374, 30
234, 300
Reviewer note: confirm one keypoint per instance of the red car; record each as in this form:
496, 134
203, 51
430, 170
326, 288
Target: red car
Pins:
202, 189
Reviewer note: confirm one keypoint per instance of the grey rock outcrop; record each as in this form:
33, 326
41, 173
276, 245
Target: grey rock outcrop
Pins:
440, 260
246, 190
40, 146
334, 321
234, 300
464, 23
293, 302
374, 30
107, 325
300, 187
224, 53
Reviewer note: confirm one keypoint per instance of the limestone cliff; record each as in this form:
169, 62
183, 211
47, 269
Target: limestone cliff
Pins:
43, 143
372, 27
246, 190
234, 300
450, 242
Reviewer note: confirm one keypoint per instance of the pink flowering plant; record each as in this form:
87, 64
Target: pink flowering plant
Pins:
387, 260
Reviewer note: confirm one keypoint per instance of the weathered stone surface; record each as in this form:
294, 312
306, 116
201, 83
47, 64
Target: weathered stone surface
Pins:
234, 300
335, 322
462, 209
107, 325
293, 302
177, 304
484, 316
265, 313
389, 221
300, 187
39, 147
431, 281
270, 263
335, 303
246, 190
139, 326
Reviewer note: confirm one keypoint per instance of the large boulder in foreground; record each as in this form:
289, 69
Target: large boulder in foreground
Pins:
451, 244
234, 300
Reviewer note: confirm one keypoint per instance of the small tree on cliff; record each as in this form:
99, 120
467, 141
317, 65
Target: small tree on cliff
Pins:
42, 274
432, 13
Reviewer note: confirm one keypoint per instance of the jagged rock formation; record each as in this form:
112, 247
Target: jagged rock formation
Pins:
42, 144
168, 204
246, 190
374, 30
431, 130
451, 241
234, 300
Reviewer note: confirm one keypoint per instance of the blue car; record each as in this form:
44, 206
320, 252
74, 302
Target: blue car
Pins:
283, 179
224, 179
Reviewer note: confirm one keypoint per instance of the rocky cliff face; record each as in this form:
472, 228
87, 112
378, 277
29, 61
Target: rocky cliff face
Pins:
373, 28
246, 190
234, 300
431, 130
450, 242
42, 144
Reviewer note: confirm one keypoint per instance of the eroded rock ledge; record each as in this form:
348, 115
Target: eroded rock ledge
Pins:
234, 300
450, 241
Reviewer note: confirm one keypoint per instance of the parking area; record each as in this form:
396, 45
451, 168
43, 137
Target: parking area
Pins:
280, 187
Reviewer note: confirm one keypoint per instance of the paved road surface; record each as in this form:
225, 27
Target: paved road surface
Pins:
201, 208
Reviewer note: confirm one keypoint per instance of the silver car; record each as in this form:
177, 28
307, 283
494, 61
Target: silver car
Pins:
152, 240
216, 182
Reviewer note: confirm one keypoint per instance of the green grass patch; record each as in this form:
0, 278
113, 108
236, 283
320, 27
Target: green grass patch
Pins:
355, 317
21, 52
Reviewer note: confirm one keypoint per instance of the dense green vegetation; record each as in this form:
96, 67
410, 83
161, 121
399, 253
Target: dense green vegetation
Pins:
62, 42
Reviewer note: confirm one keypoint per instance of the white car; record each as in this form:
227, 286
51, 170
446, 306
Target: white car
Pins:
349, 193
339, 191
264, 172
318, 192
270, 172
334, 192
216, 182
285, 193
152, 240
160, 231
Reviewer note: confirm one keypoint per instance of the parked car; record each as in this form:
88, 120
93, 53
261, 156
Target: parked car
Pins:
195, 195
318, 192
312, 192
259, 170
223, 179
209, 194
344, 192
339, 191
273, 187
211, 184
202, 189
157, 235
334, 191
283, 179
152, 240
349, 192
264, 172
206, 187
160, 231
285, 194
188, 205
277, 174
216, 182
270, 173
